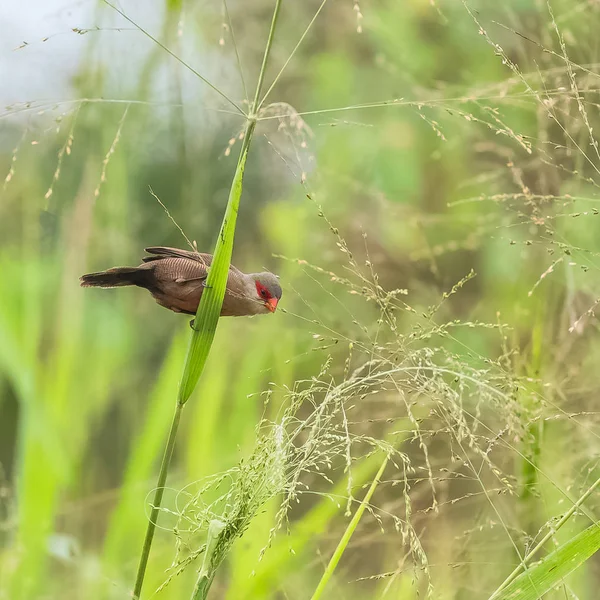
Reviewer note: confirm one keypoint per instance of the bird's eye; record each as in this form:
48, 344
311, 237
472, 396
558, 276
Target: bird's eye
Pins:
263, 293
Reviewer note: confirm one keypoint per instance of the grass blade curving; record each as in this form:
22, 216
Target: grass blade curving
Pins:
551, 570
209, 308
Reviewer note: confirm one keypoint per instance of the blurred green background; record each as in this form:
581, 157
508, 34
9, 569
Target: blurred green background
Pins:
475, 150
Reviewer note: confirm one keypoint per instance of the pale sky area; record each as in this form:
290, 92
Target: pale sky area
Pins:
41, 70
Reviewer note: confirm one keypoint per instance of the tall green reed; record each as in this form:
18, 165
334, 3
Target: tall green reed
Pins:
207, 315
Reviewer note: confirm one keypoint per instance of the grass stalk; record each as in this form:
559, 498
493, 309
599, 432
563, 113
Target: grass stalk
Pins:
207, 317
345, 540
156, 502
263, 66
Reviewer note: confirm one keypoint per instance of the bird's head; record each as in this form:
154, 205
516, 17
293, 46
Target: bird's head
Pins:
268, 290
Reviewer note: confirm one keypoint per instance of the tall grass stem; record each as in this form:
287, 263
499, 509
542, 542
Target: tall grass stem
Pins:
156, 502
343, 543
207, 315
263, 67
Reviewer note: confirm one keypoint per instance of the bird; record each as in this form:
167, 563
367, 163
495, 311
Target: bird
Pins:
176, 279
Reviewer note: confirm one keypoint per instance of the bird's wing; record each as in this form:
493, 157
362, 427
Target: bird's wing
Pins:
178, 270
162, 252
177, 282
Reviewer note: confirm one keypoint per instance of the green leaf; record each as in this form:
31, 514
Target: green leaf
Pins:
549, 572
209, 309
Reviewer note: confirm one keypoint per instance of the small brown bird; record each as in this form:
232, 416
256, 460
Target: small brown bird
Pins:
176, 279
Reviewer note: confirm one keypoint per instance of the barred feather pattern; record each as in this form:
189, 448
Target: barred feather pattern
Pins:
176, 279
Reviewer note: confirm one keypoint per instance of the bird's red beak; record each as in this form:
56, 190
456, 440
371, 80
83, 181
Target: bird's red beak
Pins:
271, 304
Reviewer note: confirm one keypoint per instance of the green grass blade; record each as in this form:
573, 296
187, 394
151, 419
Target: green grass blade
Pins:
209, 308
343, 544
550, 571
546, 538
207, 315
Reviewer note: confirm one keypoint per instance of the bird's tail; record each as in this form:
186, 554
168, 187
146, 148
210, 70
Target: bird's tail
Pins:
119, 276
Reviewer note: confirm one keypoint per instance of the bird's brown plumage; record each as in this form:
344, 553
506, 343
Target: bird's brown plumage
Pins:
176, 279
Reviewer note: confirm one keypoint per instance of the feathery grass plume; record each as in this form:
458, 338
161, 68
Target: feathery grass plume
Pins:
319, 437
223, 506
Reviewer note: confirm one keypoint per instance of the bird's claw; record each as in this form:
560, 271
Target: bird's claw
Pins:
192, 323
